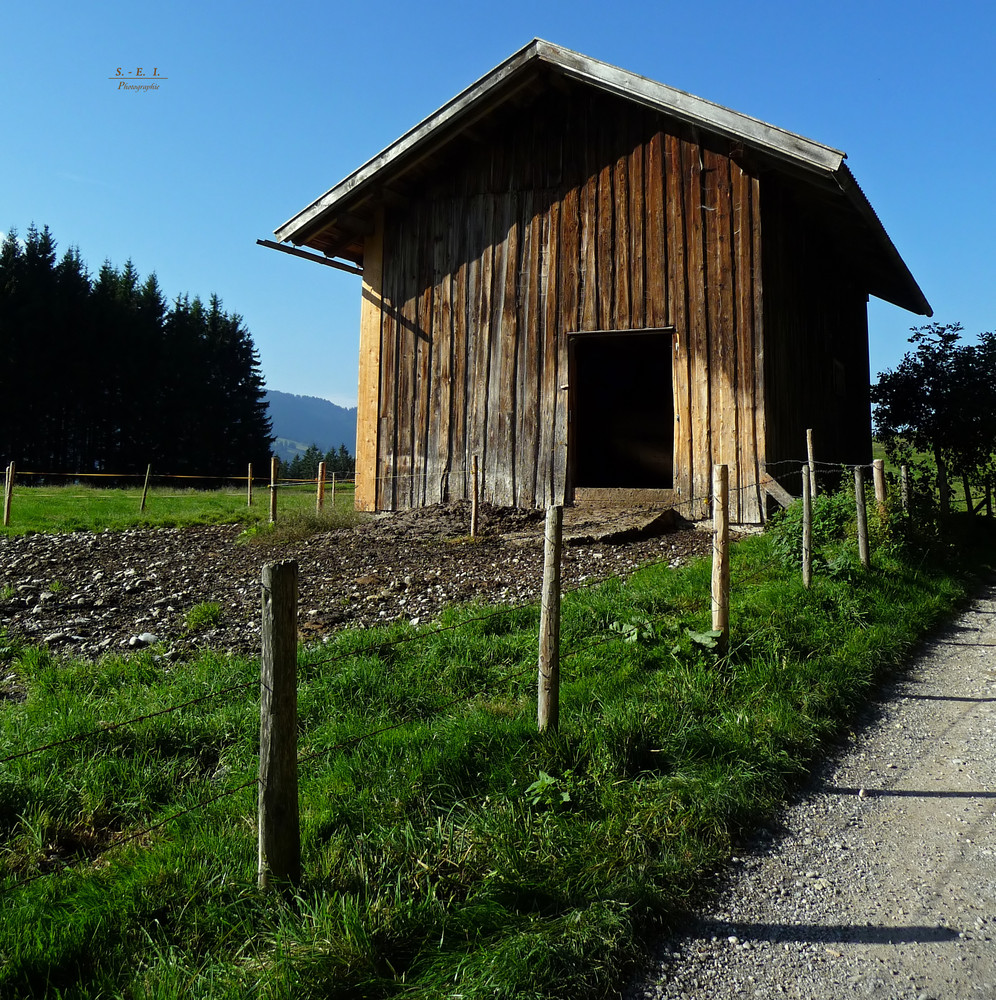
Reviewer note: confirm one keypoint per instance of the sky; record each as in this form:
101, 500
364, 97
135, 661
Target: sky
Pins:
261, 107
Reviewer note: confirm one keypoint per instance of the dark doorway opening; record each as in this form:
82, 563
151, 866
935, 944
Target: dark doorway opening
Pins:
622, 410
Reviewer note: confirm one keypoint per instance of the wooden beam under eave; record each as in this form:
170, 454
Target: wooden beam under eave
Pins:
368, 395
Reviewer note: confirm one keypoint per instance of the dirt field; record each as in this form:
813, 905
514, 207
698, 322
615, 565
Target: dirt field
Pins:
88, 594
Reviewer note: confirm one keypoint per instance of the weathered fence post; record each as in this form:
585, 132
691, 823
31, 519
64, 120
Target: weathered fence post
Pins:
475, 492
320, 495
859, 501
904, 487
332, 487
548, 698
279, 823
807, 532
274, 467
249, 487
8, 494
721, 556
145, 488
811, 462
881, 494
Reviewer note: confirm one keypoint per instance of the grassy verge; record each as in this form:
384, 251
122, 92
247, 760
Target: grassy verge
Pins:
85, 508
449, 850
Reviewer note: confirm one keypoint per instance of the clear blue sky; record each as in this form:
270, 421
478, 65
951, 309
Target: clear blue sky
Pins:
266, 106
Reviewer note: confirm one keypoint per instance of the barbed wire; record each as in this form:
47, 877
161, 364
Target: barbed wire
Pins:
111, 726
141, 832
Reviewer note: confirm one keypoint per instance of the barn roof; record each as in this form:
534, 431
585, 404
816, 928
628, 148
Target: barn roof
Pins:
336, 223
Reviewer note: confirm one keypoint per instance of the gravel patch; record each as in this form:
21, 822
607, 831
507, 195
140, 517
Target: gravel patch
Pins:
881, 879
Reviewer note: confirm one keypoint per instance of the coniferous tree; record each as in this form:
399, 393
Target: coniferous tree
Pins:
100, 374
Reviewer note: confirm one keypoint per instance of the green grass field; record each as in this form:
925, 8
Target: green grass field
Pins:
449, 850
86, 508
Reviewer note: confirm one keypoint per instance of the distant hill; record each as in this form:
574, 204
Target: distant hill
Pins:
300, 421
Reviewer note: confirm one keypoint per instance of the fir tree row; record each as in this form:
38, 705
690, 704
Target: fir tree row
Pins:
104, 375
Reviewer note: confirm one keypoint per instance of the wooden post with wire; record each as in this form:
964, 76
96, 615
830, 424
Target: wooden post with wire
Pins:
807, 532
333, 491
320, 495
721, 556
279, 822
473, 497
145, 488
8, 494
881, 494
274, 469
249, 486
548, 696
811, 462
862, 512
904, 487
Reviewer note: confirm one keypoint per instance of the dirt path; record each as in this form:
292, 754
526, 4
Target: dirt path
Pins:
882, 880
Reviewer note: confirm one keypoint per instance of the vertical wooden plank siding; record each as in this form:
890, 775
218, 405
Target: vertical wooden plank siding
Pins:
678, 318
387, 443
620, 221
749, 491
723, 332
698, 329
368, 393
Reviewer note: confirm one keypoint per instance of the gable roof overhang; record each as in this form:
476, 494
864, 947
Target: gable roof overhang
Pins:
337, 223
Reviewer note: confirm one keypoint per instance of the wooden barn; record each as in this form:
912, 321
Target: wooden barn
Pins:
593, 282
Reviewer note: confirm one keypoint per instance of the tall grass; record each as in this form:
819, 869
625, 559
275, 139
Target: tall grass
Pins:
448, 848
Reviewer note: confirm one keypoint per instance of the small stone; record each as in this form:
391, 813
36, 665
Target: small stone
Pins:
144, 639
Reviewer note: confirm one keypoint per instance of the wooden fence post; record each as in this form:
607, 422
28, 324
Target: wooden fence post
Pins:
320, 495
548, 697
904, 487
812, 462
279, 822
249, 487
274, 467
807, 533
8, 494
333, 491
859, 501
145, 488
881, 494
473, 497
721, 556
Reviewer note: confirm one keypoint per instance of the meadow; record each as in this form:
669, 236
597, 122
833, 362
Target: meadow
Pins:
449, 849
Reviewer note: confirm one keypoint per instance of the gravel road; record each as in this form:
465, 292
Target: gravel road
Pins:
881, 879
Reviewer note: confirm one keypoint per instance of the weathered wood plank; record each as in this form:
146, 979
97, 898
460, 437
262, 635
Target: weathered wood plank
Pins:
677, 304
588, 210
440, 416
498, 443
482, 354
637, 229
743, 245
605, 235
422, 388
390, 348
698, 328
529, 363
620, 246
546, 465
774, 489
461, 352
368, 392
759, 422
720, 312
655, 234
